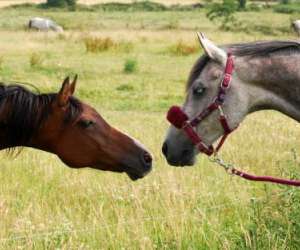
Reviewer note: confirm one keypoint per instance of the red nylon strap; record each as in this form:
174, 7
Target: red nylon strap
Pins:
228, 71
196, 139
221, 142
225, 125
265, 178
212, 107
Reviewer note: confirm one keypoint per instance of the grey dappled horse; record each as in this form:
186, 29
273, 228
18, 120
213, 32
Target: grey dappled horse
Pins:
266, 76
43, 24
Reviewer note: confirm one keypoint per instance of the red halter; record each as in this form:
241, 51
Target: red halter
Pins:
181, 121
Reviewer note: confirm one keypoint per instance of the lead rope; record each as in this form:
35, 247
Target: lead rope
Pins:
230, 169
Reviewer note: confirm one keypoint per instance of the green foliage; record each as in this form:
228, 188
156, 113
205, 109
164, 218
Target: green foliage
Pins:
287, 8
36, 60
254, 7
125, 87
242, 4
1, 62
61, 3
130, 66
223, 13
135, 6
173, 24
265, 225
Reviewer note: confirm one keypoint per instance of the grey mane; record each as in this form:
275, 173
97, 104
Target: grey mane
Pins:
264, 48
253, 49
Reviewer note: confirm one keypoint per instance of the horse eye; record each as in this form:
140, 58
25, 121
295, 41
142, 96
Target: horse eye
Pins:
199, 90
86, 123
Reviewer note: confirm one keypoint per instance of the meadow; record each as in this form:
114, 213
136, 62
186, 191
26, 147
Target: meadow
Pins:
132, 66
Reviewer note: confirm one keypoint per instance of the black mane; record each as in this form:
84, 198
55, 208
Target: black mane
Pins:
252, 49
22, 113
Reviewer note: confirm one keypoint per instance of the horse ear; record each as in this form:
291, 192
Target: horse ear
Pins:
73, 84
214, 52
65, 92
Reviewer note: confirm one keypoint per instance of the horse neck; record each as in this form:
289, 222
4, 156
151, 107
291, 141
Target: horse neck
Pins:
272, 82
20, 124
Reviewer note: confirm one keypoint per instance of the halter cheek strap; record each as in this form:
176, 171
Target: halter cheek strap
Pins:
180, 120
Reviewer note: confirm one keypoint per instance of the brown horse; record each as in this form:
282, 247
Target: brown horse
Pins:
61, 124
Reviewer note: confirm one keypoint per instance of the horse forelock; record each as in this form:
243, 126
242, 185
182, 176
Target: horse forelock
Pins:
252, 49
23, 112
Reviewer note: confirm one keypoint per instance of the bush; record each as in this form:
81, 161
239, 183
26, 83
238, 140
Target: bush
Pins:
98, 44
130, 66
182, 49
287, 8
224, 13
61, 3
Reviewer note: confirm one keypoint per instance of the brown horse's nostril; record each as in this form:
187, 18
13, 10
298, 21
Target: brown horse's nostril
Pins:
147, 158
165, 149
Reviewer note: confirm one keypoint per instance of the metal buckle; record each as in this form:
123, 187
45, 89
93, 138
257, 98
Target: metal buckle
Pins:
221, 111
228, 167
187, 124
226, 77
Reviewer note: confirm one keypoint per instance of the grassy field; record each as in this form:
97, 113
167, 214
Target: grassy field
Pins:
45, 205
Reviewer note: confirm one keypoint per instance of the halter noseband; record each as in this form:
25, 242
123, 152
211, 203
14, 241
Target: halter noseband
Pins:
180, 120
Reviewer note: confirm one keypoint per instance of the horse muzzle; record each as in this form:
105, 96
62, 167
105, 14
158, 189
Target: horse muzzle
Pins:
140, 168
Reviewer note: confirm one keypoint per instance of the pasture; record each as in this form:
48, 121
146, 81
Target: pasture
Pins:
45, 205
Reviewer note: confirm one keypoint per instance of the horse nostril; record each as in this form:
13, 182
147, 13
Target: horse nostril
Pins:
165, 149
147, 158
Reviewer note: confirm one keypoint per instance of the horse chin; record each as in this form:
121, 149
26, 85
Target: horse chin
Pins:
183, 162
134, 175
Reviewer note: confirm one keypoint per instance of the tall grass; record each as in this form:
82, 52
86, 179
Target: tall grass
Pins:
95, 44
45, 205
183, 49
36, 59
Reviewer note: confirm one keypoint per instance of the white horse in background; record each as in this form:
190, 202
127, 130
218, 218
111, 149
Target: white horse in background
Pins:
296, 26
43, 24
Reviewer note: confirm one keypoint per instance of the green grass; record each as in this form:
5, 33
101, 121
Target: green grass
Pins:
45, 205
288, 8
130, 66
